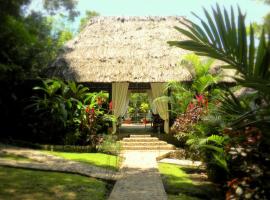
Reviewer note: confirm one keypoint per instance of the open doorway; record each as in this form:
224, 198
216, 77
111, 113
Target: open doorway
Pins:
139, 117
139, 109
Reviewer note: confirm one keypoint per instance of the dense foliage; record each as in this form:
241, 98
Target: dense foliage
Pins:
67, 113
28, 46
191, 101
233, 139
138, 106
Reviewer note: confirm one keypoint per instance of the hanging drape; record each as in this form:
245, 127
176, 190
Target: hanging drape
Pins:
119, 100
127, 101
150, 99
161, 105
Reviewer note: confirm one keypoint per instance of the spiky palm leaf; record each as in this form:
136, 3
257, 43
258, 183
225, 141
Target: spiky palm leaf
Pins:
220, 38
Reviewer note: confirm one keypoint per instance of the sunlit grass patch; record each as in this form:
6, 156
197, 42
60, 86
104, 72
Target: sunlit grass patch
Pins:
97, 159
17, 184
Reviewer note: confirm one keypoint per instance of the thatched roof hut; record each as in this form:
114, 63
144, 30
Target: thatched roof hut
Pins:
120, 49
124, 49
118, 54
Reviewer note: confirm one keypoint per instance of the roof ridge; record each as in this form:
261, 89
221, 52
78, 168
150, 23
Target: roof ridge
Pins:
135, 18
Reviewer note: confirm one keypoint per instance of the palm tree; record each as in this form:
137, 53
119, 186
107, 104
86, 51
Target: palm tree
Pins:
219, 37
222, 38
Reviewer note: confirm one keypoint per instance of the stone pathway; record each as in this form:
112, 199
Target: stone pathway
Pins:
182, 162
141, 179
138, 179
43, 161
140, 176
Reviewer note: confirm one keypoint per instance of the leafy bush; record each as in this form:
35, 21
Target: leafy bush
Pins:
109, 145
190, 102
144, 107
247, 123
66, 113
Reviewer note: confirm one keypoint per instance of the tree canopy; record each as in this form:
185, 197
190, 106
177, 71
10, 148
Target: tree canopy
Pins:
28, 45
88, 15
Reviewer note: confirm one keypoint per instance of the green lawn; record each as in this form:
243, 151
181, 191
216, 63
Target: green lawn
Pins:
18, 184
13, 157
97, 159
180, 186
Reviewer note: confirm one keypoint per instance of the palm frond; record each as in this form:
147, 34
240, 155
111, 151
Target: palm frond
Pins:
220, 37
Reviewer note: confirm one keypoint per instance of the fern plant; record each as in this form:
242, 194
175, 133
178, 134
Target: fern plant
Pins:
213, 145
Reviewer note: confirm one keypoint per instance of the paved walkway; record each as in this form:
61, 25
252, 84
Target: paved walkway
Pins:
48, 162
182, 162
141, 179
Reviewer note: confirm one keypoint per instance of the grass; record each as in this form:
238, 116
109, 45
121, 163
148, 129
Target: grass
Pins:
13, 157
180, 186
17, 184
181, 197
97, 159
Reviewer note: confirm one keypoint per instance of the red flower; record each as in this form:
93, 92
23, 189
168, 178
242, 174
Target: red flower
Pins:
111, 105
200, 98
87, 109
191, 106
144, 121
92, 110
233, 182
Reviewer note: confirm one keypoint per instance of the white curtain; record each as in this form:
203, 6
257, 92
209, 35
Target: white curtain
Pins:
119, 100
127, 101
161, 105
150, 99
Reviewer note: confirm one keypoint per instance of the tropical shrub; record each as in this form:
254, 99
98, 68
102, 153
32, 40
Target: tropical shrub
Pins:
190, 101
144, 107
247, 125
67, 113
109, 145
138, 104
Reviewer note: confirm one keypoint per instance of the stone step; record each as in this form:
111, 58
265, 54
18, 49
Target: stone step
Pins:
140, 136
138, 139
160, 147
131, 143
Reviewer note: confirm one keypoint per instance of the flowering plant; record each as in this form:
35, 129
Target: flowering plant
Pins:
195, 110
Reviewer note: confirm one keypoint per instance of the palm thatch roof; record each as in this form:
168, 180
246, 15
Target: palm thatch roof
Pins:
124, 49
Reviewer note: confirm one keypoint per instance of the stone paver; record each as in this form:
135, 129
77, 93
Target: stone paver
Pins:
44, 161
140, 178
182, 162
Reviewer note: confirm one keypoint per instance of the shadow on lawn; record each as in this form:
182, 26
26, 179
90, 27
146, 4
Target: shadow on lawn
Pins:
195, 185
111, 165
17, 184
